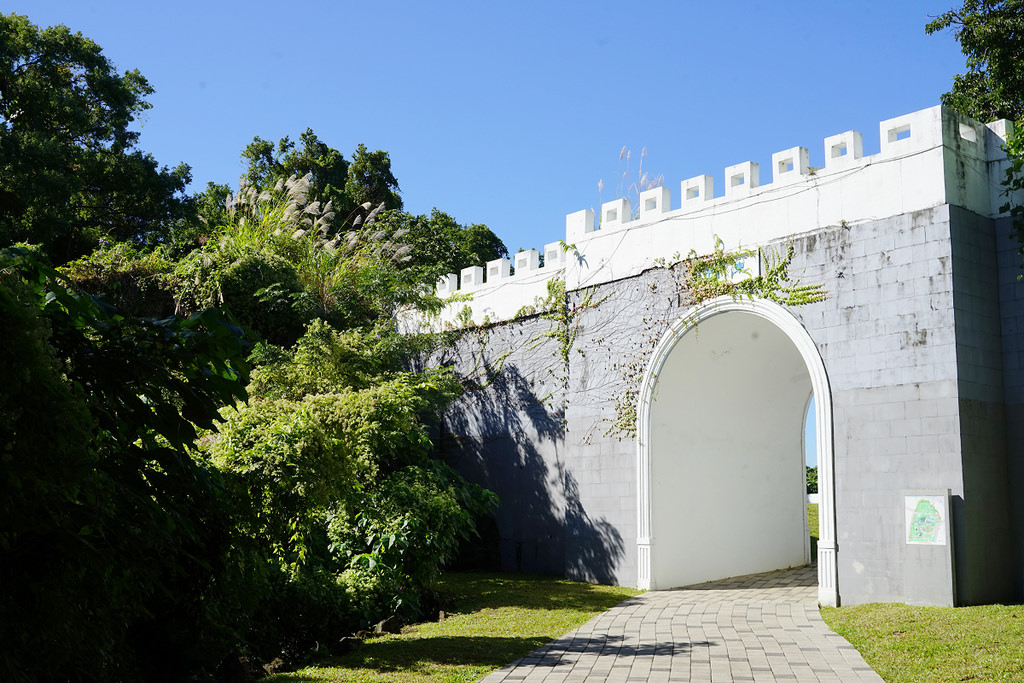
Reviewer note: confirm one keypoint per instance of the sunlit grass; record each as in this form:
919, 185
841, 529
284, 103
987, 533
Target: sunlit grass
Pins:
812, 523
496, 619
904, 643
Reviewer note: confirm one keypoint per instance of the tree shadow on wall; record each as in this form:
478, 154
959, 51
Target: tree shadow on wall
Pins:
594, 548
503, 437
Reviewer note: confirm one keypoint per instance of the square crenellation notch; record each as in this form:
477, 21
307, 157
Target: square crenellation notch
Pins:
843, 150
740, 179
790, 165
696, 191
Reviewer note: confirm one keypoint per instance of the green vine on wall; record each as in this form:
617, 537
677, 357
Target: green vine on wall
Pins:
565, 319
564, 329
707, 277
713, 275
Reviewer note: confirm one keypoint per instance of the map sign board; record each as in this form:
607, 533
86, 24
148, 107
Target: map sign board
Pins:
928, 572
926, 519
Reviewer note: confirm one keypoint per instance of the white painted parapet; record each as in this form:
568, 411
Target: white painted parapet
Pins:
697, 192
615, 214
791, 165
447, 285
578, 226
498, 269
654, 202
741, 179
527, 260
554, 253
927, 158
472, 278
843, 151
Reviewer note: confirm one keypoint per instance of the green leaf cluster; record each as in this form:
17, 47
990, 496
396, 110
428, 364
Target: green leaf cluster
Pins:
812, 480
213, 440
714, 275
991, 37
70, 172
440, 245
106, 518
367, 179
283, 259
332, 458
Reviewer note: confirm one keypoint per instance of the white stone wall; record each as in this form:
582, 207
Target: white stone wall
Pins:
919, 338
927, 158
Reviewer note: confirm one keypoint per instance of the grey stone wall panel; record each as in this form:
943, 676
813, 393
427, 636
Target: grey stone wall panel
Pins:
918, 337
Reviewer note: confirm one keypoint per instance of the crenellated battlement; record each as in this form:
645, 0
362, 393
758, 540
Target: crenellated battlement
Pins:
649, 399
926, 158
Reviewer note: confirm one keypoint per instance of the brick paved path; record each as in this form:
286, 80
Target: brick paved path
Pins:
763, 627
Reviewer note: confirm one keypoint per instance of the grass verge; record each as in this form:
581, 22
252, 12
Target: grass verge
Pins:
812, 523
905, 643
496, 619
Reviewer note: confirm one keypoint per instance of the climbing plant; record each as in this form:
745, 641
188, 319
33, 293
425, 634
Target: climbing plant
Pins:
707, 277
712, 275
564, 318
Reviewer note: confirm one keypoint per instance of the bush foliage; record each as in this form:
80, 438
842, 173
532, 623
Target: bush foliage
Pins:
213, 439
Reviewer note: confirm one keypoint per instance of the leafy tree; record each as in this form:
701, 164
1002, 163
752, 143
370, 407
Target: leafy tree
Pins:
283, 260
370, 179
329, 461
332, 179
440, 245
332, 454
131, 548
478, 245
191, 232
137, 281
326, 167
358, 192
106, 519
70, 173
991, 36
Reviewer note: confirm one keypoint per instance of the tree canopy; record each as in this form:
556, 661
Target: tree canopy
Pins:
215, 442
440, 245
991, 37
368, 178
354, 191
70, 172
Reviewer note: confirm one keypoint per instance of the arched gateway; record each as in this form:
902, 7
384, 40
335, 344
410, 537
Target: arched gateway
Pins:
720, 454
924, 393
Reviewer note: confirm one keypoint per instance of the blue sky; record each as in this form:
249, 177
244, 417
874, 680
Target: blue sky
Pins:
509, 113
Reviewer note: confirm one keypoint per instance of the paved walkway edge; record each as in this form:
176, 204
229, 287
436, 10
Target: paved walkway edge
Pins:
763, 627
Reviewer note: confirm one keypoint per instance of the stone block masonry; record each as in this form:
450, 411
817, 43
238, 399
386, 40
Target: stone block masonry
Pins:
919, 342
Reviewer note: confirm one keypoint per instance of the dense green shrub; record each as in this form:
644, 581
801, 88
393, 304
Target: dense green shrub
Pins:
332, 456
106, 519
396, 537
131, 548
47, 481
138, 282
260, 288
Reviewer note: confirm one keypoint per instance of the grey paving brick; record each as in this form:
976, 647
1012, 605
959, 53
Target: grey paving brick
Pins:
764, 627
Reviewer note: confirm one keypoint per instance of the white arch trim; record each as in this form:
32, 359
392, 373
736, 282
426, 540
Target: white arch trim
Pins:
828, 593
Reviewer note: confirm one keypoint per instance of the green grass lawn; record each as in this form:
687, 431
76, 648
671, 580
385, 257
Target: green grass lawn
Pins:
812, 523
496, 619
914, 644
904, 643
